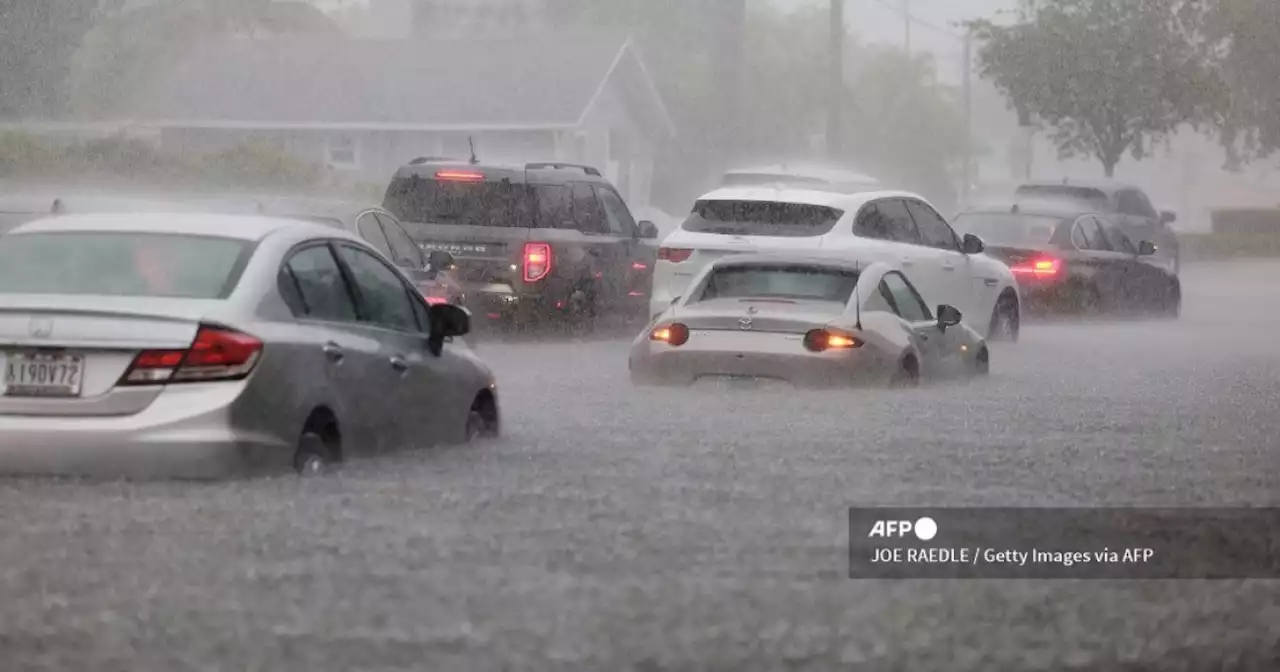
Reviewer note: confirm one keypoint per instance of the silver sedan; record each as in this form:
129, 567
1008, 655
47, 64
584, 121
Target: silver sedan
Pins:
206, 345
806, 320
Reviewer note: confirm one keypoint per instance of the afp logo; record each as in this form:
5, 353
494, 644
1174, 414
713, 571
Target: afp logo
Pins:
924, 528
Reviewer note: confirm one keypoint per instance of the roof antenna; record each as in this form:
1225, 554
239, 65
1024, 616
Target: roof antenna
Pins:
1014, 209
857, 298
57, 207
472, 144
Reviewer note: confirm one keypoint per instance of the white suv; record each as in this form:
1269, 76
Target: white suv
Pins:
894, 227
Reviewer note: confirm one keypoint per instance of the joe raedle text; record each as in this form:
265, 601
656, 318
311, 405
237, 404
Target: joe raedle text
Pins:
997, 556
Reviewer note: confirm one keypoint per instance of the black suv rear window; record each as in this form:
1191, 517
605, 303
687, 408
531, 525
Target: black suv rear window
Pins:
462, 202
761, 218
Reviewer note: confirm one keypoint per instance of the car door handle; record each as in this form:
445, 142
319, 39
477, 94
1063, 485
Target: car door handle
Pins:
948, 267
399, 364
908, 261
333, 351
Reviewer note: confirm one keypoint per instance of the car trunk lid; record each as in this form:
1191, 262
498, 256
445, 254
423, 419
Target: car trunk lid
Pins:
64, 355
788, 316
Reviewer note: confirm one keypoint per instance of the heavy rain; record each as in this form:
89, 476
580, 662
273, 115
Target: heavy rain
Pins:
573, 334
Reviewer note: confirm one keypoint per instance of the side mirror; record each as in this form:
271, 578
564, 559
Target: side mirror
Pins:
448, 320
1167, 217
647, 230
1146, 248
972, 244
948, 316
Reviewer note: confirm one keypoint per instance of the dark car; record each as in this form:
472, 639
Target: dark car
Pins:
1128, 207
538, 243
1075, 263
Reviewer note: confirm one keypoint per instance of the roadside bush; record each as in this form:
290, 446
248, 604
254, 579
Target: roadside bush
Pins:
125, 162
1211, 246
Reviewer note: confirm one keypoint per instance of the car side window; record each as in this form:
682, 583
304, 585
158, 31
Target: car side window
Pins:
1093, 232
1144, 206
887, 220
1119, 241
555, 206
910, 306
1077, 236
1128, 203
934, 230
404, 251
616, 213
312, 284
588, 214
383, 294
371, 231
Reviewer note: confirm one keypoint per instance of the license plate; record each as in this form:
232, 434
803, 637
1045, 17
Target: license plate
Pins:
37, 374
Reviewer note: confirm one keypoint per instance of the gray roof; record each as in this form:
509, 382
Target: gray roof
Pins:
547, 80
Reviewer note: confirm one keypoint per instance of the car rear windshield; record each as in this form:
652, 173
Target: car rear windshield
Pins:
799, 282
1095, 199
464, 202
1007, 229
761, 218
121, 264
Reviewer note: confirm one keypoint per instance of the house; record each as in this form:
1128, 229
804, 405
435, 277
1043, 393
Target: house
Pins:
368, 106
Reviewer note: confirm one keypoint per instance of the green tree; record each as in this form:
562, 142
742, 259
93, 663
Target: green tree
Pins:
122, 54
904, 124
1106, 78
37, 42
1245, 35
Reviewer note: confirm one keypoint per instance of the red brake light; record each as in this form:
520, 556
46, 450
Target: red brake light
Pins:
674, 255
459, 176
1039, 268
216, 353
672, 334
537, 261
820, 340
435, 300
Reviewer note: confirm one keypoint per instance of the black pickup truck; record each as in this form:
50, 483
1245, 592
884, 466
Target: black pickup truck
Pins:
533, 244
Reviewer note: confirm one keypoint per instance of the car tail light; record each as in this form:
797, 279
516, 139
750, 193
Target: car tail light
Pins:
216, 353
672, 334
537, 261
460, 176
1045, 267
435, 300
674, 255
821, 340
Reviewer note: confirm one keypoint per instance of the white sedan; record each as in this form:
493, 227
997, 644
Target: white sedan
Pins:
893, 227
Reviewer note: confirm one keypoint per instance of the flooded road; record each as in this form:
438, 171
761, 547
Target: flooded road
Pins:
677, 529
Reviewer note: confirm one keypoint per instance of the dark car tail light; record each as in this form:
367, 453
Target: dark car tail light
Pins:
674, 255
537, 261
216, 353
672, 334
1041, 267
460, 176
821, 340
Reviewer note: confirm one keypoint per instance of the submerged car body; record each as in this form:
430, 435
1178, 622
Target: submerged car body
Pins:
807, 320
200, 345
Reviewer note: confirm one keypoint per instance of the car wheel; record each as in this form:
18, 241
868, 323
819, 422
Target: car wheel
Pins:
907, 375
313, 457
1173, 303
1005, 320
482, 420
981, 363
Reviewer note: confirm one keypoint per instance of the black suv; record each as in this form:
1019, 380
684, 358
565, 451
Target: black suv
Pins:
1127, 204
542, 242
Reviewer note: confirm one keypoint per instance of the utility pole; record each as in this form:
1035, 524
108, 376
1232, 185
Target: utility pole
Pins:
835, 86
906, 25
968, 118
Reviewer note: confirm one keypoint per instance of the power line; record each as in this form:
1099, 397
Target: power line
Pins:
906, 14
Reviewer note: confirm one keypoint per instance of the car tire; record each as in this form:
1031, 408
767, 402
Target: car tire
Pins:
907, 374
1006, 320
981, 365
482, 421
1172, 305
313, 456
